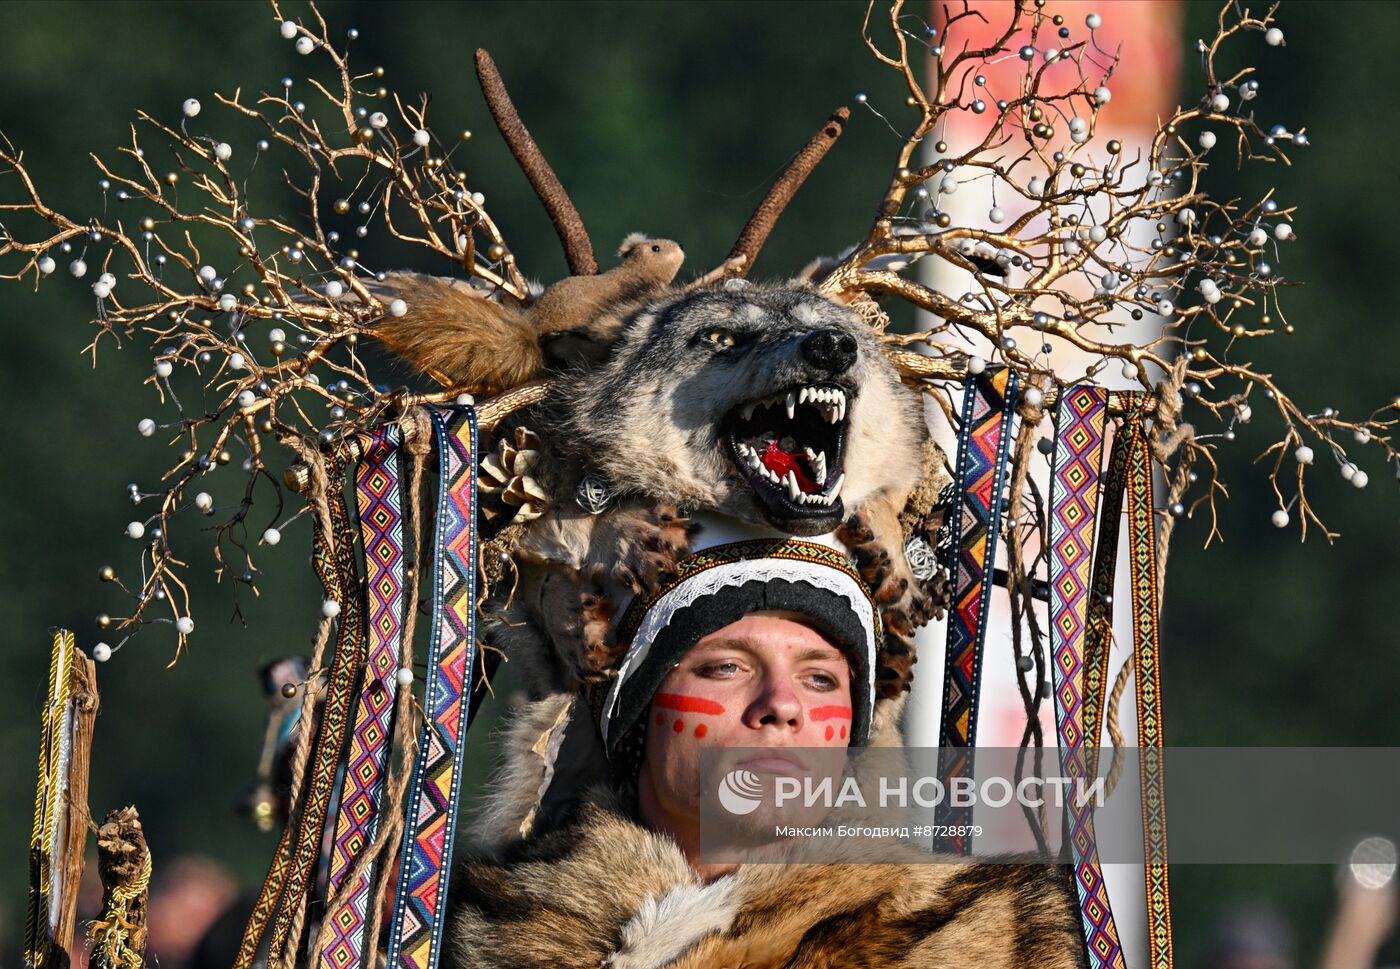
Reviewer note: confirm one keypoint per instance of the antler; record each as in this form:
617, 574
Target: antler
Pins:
578, 248
760, 224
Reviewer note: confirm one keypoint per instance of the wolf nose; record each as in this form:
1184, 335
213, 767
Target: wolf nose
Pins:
830, 350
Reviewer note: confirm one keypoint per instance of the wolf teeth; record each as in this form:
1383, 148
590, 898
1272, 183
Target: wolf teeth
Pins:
794, 490
748, 410
791, 406
835, 489
819, 467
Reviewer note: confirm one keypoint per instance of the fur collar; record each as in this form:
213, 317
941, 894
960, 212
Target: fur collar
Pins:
599, 891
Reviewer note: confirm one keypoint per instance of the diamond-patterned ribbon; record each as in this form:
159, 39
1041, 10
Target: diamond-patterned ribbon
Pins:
989, 405
1130, 472
288, 879
415, 936
378, 497
1079, 433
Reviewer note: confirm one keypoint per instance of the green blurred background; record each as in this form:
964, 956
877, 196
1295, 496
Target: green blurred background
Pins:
670, 118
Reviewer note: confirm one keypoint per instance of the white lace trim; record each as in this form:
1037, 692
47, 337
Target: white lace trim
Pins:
734, 574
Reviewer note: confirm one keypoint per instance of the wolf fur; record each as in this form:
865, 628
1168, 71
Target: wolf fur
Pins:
601, 890
650, 419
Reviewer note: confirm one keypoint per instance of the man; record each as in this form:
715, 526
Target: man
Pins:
587, 853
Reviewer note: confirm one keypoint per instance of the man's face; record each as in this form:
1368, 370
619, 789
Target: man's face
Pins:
768, 680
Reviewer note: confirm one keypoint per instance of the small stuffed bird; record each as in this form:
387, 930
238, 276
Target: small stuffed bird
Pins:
461, 337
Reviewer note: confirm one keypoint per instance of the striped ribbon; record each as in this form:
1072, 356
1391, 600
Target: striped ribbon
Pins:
46, 840
1130, 472
989, 403
285, 889
381, 527
1079, 433
415, 938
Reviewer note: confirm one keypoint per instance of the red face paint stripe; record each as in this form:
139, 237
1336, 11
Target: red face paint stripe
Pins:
695, 704
830, 713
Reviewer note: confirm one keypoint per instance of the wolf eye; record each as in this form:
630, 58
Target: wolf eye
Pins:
723, 339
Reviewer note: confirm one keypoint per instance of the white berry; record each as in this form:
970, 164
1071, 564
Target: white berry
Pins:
1273, 37
378, 120
1304, 455
101, 290
976, 365
289, 29
102, 652
1206, 140
948, 185
135, 530
398, 308
1361, 435
184, 625
78, 268
208, 273
404, 676
466, 400
1102, 95
228, 302
47, 265
1280, 519
1034, 397
190, 107
422, 138
163, 368
146, 428
223, 151
1348, 470
996, 216
246, 398
1219, 104
330, 608
236, 361
204, 501
335, 289
277, 335
1093, 21
1283, 232
272, 536
305, 45
1359, 479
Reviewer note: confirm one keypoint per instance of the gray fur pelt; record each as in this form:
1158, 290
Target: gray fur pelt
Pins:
604, 891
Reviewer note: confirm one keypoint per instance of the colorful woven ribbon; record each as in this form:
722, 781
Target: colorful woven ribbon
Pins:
288, 880
1079, 434
415, 937
1130, 472
46, 841
381, 527
989, 403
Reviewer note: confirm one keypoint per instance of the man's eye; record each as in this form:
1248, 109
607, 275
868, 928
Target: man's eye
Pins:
719, 671
823, 681
724, 339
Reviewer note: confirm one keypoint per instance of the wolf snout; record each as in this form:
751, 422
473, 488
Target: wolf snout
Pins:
830, 350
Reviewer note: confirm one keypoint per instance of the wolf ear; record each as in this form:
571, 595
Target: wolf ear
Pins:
580, 346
